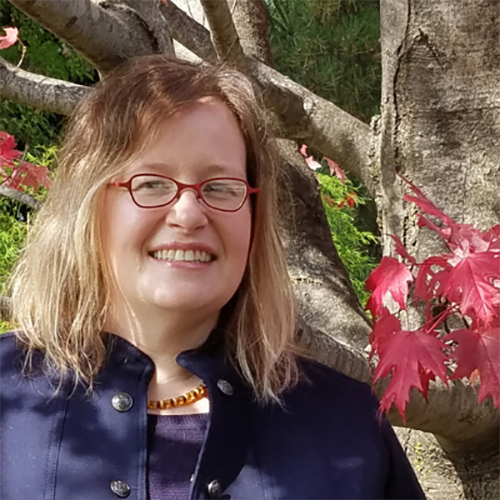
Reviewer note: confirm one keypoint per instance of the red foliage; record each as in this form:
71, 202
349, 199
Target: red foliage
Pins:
349, 200
414, 358
390, 276
334, 167
10, 37
22, 173
464, 283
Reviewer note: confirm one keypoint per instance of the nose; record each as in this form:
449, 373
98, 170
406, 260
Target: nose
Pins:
187, 211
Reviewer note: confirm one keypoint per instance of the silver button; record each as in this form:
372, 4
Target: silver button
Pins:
225, 387
122, 401
214, 489
120, 488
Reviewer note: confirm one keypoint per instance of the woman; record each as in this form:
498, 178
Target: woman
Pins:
156, 354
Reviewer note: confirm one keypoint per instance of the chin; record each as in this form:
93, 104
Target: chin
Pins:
185, 302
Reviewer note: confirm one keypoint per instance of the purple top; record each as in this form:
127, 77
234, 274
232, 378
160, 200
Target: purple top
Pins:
174, 442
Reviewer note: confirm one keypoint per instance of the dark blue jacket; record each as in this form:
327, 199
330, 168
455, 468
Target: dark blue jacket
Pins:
325, 442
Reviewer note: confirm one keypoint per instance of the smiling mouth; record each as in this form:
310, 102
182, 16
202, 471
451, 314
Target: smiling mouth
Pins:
183, 255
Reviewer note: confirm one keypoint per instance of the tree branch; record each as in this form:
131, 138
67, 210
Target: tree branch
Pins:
191, 35
308, 119
325, 295
300, 114
224, 35
251, 22
149, 12
104, 34
452, 413
332, 324
39, 91
23, 198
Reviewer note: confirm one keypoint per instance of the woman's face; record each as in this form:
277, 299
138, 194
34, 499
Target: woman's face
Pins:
196, 144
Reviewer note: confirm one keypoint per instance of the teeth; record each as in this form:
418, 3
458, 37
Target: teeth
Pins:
184, 256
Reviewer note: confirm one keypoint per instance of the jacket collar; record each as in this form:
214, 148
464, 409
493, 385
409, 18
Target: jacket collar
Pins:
224, 450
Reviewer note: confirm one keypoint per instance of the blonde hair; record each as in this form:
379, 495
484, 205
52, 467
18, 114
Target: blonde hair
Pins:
59, 287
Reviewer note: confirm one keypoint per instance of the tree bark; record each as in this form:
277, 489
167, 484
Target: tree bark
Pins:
23, 198
224, 35
189, 33
440, 128
39, 91
250, 19
104, 36
300, 115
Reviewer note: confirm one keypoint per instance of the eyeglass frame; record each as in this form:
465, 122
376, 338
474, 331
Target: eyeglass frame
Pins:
182, 186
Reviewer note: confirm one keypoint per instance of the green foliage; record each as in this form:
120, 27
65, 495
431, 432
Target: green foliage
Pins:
5, 326
14, 217
12, 236
42, 155
45, 55
332, 48
14, 222
351, 243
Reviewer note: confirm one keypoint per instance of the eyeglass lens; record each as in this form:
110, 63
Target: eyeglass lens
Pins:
222, 194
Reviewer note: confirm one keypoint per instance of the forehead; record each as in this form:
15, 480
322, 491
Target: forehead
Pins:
204, 135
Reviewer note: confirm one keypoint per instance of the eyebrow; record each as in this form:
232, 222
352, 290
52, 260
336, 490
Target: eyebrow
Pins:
161, 168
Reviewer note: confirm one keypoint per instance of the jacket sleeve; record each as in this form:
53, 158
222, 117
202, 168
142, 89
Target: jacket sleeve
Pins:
402, 484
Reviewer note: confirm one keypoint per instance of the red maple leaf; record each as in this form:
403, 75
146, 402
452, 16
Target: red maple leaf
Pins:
401, 250
470, 284
429, 282
492, 237
310, 161
8, 153
479, 350
414, 358
10, 37
466, 282
425, 204
335, 169
467, 238
386, 325
30, 175
390, 276
465, 352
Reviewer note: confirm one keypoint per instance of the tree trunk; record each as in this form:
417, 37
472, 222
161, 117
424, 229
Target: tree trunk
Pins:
440, 128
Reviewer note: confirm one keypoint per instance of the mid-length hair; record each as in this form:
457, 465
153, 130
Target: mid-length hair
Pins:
60, 287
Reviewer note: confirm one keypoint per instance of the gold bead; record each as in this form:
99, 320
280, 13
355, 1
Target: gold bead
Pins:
189, 398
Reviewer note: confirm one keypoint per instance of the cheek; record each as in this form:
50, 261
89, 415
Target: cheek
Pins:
122, 228
239, 233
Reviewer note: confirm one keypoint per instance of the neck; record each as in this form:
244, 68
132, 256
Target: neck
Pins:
163, 335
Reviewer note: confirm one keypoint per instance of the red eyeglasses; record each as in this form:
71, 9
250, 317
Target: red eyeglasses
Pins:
227, 194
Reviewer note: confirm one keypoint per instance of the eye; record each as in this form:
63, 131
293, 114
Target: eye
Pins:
224, 188
145, 185
152, 185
